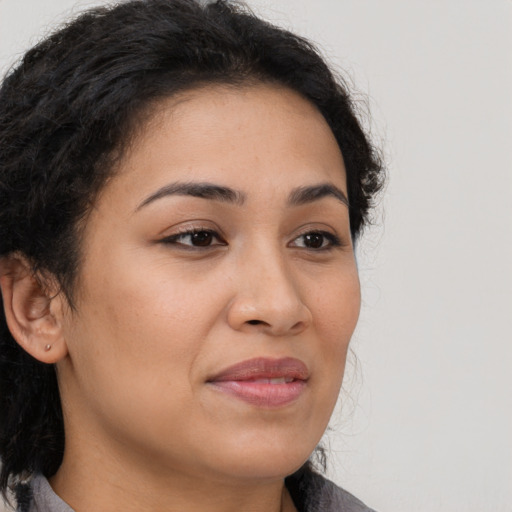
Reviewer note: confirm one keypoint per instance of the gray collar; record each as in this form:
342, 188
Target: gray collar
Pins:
321, 496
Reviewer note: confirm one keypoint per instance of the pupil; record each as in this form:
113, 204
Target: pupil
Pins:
314, 240
202, 238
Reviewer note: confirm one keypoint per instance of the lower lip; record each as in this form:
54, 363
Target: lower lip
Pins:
261, 394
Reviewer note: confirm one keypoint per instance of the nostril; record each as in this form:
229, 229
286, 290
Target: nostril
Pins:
254, 322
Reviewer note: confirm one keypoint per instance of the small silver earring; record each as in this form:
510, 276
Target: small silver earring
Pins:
47, 347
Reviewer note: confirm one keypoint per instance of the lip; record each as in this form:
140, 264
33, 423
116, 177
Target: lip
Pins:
264, 382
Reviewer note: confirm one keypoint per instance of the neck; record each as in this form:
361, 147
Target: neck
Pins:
103, 482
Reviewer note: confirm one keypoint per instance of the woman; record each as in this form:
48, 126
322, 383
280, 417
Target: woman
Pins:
182, 186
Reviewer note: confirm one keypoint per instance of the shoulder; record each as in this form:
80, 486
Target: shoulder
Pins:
36, 495
314, 493
333, 498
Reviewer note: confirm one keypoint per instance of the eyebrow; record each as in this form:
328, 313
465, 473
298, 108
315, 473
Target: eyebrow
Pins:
304, 195
201, 190
299, 196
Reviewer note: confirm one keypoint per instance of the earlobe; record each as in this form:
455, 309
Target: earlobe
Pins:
29, 311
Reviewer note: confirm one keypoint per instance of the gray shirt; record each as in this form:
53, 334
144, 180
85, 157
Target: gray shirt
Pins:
44, 498
327, 498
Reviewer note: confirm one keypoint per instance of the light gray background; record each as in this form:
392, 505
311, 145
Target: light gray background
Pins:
427, 417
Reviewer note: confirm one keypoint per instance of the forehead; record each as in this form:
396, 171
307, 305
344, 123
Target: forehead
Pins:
244, 137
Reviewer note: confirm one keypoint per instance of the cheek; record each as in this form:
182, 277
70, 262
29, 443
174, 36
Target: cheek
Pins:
336, 311
336, 304
130, 325
132, 350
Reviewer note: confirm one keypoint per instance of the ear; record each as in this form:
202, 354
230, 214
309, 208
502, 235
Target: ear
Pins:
32, 310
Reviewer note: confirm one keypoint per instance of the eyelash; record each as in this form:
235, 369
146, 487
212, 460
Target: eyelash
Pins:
175, 239
333, 240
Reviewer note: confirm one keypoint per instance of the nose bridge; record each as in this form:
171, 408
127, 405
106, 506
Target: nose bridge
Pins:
267, 293
271, 278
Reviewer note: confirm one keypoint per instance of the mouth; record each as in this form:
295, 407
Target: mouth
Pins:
264, 382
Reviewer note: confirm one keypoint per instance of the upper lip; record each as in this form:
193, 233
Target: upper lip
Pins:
263, 368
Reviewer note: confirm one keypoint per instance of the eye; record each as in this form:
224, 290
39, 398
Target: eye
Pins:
195, 238
316, 240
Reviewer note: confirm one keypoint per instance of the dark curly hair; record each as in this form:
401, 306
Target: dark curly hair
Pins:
69, 109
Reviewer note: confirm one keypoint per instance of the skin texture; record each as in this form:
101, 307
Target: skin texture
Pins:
156, 317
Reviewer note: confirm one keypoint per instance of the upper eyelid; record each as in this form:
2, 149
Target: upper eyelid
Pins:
334, 239
189, 228
192, 230
188, 232
328, 231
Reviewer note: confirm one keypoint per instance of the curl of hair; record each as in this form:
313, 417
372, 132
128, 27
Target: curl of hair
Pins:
68, 111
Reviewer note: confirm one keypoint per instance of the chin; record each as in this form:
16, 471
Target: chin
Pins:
264, 460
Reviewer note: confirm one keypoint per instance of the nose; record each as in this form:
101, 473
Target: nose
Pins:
267, 298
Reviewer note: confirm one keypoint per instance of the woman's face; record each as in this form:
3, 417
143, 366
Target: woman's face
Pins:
218, 291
